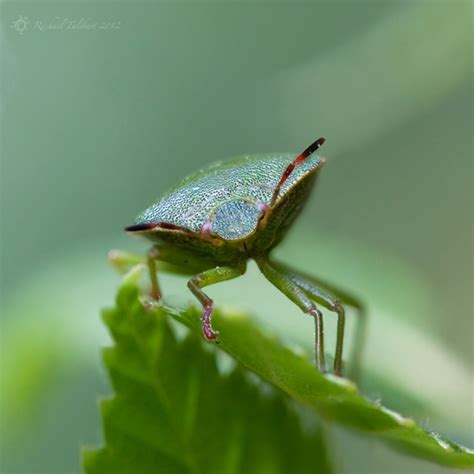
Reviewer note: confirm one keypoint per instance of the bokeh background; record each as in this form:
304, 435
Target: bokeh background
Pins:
101, 115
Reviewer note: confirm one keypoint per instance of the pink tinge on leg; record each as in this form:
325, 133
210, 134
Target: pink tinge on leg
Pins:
209, 333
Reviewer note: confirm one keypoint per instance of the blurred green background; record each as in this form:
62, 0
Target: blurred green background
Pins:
101, 115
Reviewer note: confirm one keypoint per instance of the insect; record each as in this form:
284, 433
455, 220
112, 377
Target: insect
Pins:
215, 220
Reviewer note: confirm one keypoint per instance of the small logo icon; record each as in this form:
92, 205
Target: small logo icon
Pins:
20, 24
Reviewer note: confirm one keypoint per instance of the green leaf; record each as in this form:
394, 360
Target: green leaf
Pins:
155, 379
174, 412
333, 398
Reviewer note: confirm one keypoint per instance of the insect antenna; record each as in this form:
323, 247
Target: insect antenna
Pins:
140, 227
150, 226
299, 159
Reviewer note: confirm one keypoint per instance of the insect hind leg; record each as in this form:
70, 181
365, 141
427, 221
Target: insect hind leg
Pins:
331, 298
282, 280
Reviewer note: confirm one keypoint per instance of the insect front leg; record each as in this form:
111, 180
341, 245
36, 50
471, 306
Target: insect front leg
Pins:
122, 260
151, 257
331, 298
206, 278
284, 282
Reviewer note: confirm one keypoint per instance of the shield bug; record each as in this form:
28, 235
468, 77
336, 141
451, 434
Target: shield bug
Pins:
215, 220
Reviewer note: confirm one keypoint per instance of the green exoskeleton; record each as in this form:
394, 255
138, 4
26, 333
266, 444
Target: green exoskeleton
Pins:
215, 220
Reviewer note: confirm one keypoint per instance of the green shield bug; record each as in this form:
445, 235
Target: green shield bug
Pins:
215, 220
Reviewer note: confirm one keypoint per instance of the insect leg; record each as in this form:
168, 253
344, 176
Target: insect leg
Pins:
151, 257
331, 297
206, 278
283, 281
122, 261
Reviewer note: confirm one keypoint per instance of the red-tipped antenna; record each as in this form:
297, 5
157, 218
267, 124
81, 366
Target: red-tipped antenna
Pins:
299, 159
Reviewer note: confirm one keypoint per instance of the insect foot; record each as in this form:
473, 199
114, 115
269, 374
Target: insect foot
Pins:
150, 303
209, 333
